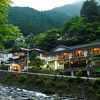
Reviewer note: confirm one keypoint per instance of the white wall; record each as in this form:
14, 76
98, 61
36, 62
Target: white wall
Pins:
6, 57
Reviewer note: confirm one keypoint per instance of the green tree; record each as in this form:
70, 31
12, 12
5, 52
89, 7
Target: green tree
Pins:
35, 61
7, 31
94, 61
91, 11
48, 40
18, 44
79, 31
32, 57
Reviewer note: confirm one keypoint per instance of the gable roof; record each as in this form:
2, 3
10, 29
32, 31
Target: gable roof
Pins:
33, 49
59, 48
85, 46
66, 48
2, 52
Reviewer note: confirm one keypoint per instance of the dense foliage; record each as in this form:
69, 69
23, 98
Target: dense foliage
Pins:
75, 31
78, 30
63, 86
7, 31
30, 20
91, 11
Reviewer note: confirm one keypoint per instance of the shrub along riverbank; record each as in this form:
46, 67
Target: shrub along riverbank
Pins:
78, 88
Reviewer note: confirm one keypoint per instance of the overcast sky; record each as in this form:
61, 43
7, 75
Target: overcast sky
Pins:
42, 4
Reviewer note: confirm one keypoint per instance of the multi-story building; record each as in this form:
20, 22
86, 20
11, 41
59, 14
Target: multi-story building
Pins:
72, 58
18, 57
4, 57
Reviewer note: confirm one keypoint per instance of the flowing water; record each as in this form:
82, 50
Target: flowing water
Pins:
13, 93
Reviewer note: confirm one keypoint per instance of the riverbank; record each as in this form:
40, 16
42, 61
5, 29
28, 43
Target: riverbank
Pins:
66, 86
13, 93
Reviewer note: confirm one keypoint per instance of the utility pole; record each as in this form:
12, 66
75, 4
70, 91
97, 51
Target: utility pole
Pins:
28, 57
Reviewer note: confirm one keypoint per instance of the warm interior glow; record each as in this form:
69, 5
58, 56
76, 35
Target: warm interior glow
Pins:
63, 55
93, 50
78, 53
44, 55
22, 59
54, 57
18, 53
61, 62
15, 67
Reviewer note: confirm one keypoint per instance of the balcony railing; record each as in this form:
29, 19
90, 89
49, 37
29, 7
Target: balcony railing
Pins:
59, 58
15, 57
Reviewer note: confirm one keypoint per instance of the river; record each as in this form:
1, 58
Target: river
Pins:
13, 93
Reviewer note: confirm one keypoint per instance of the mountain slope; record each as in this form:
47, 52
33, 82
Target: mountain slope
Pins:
30, 20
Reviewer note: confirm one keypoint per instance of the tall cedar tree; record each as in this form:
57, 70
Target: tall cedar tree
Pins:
91, 11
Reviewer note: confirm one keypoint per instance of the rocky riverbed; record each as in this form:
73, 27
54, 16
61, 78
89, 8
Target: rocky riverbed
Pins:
13, 93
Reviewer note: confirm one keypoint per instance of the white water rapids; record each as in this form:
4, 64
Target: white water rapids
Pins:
13, 93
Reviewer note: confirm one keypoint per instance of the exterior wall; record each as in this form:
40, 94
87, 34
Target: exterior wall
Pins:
57, 64
70, 55
41, 57
85, 53
6, 57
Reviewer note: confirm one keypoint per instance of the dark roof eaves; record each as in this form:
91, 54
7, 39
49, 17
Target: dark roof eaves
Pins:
85, 46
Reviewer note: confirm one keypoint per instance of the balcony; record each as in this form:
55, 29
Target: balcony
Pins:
76, 66
49, 59
15, 57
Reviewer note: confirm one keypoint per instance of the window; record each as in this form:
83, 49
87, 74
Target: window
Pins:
63, 55
93, 50
78, 53
44, 55
54, 57
18, 53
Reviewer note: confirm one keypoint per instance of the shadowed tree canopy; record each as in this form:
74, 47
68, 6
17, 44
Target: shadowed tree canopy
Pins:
91, 11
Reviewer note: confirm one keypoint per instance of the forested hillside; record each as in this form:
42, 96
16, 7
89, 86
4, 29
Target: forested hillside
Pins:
30, 20
78, 30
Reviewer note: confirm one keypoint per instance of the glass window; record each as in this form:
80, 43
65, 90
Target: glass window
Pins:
44, 55
63, 55
18, 53
78, 53
93, 50
54, 57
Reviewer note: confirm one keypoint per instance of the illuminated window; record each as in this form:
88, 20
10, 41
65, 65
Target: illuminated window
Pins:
96, 50
78, 53
18, 53
22, 59
54, 57
44, 55
93, 50
63, 55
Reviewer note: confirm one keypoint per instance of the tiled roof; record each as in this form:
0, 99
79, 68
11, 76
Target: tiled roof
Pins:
33, 49
90, 45
84, 46
60, 46
4, 52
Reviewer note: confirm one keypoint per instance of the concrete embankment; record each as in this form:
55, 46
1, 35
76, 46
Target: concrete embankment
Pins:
65, 86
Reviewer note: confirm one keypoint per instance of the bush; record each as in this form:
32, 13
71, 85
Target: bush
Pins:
34, 69
3, 67
22, 78
79, 73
